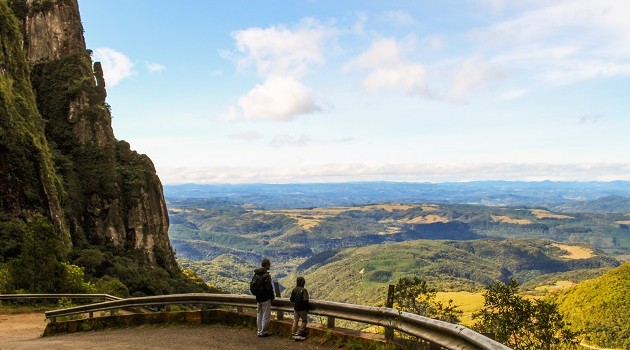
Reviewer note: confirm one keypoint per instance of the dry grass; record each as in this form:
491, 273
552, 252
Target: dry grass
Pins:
509, 220
430, 207
558, 285
178, 210
545, 214
429, 219
623, 222
574, 252
307, 219
392, 230
466, 301
388, 207
307, 223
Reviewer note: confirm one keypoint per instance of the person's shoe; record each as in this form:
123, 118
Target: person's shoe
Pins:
298, 337
266, 334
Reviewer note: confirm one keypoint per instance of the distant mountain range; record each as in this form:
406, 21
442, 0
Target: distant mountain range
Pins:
597, 197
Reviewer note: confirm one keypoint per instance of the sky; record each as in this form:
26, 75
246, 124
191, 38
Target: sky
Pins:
361, 90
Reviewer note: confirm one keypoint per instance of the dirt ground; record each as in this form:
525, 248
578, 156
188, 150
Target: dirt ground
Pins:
22, 331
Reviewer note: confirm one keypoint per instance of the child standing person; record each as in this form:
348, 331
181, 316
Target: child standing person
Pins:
299, 296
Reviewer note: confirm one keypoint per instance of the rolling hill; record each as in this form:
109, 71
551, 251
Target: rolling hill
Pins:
362, 274
601, 306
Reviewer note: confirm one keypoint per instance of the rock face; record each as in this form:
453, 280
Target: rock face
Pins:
28, 181
57, 32
112, 196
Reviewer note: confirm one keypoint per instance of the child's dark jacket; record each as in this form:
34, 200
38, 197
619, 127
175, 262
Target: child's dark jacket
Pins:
299, 295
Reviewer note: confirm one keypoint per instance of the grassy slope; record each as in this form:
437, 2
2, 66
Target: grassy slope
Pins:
602, 306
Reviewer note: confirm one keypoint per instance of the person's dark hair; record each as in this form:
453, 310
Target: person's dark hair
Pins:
265, 262
300, 281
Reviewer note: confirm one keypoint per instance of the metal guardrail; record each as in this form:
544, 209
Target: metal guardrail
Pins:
446, 335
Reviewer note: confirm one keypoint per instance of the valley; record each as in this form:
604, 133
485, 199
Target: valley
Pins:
457, 247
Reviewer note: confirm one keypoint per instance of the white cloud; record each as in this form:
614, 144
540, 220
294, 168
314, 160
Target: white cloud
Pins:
279, 50
248, 135
575, 70
116, 66
473, 73
409, 78
565, 41
278, 98
358, 27
434, 42
495, 5
283, 56
341, 172
155, 67
399, 17
389, 69
290, 141
590, 119
513, 94
382, 53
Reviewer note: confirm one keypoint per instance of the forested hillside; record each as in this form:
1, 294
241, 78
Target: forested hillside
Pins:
601, 307
362, 274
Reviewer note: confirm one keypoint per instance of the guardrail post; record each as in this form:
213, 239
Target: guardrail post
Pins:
331, 322
276, 287
389, 331
91, 314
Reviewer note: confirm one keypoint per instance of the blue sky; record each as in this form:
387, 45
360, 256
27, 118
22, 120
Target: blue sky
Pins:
329, 91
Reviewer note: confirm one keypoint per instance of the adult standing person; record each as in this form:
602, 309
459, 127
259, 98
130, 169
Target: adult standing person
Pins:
262, 288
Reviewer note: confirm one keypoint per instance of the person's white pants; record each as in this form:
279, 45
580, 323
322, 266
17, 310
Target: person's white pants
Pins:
263, 316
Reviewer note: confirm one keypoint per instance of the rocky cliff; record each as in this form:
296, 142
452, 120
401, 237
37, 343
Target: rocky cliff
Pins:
59, 156
28, 181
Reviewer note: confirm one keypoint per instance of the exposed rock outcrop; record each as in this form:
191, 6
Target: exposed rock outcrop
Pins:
52, 30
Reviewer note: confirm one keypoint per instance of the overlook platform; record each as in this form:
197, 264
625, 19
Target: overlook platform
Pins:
22, 331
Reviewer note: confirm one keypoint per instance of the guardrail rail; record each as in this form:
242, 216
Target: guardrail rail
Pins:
444, 334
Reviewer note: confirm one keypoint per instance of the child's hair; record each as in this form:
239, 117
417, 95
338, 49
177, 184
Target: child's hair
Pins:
300, 281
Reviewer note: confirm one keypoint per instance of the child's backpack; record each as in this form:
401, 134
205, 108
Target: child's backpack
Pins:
299, 301
257, 286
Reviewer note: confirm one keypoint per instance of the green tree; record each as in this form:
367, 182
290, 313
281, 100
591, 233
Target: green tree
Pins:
73, 280
4, 279
112, 286
521, 323
38, 267
415, 296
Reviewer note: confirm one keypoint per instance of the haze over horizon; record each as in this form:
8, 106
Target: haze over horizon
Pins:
322, 91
